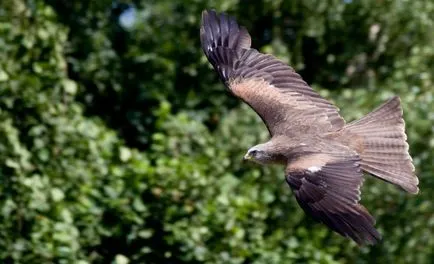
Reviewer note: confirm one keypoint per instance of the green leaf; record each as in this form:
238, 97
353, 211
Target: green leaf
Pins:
70, 86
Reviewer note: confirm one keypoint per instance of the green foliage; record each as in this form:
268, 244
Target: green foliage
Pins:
118, 144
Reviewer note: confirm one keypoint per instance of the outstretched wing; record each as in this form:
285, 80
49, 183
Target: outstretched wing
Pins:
273, 89
327, 188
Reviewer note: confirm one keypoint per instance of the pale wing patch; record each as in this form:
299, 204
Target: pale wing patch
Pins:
313, 163
314, 169
279, 110
255, 89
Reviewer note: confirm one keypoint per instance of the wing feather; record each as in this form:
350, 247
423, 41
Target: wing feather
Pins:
331, 194
272, 88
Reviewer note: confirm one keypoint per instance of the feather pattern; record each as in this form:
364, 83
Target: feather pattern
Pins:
385, 150
283, 100
331, 195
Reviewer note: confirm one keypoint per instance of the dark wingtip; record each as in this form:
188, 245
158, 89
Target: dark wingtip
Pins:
206, 12
373, 240
220, 29
205, 15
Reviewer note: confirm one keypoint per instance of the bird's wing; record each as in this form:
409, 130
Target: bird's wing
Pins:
328, 188
284, 101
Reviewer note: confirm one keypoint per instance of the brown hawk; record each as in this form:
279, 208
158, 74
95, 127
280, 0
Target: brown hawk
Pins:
324, 157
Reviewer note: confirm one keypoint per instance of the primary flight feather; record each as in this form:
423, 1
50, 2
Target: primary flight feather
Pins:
324, 157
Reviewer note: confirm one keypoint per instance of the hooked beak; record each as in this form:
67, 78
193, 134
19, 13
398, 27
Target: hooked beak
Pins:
247, 157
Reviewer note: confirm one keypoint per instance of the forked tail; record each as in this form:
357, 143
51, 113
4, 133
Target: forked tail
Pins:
384, 152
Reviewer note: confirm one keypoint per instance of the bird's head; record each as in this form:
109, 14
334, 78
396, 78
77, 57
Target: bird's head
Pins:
259, 154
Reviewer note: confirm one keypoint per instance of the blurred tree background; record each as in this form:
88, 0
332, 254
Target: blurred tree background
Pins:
118, 144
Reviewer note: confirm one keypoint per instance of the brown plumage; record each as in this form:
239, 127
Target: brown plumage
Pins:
324, 157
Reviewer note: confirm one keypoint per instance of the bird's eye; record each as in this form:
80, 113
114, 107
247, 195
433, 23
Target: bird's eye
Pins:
253, 152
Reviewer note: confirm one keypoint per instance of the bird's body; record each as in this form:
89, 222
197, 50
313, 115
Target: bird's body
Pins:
324, 157
285, 149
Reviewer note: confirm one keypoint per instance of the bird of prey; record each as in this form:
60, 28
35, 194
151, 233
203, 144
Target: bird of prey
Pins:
324, 157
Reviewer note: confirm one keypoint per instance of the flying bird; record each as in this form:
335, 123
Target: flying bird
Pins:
324, 157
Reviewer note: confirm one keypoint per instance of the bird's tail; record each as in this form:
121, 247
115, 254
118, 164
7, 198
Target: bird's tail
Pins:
384, 151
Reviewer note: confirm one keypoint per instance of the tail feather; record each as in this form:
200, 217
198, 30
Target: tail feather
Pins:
385, 150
